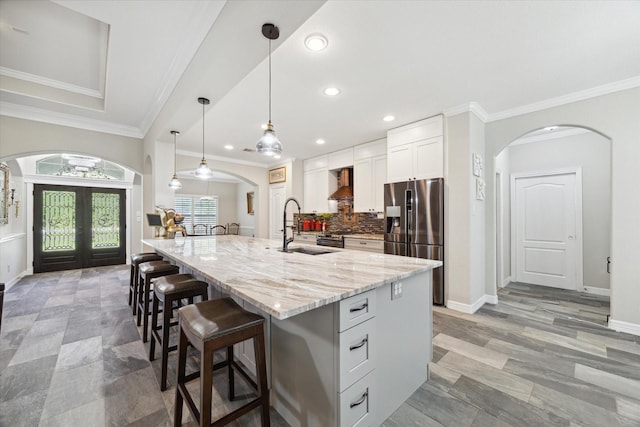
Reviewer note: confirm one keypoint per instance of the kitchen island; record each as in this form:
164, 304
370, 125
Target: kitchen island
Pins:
349, 332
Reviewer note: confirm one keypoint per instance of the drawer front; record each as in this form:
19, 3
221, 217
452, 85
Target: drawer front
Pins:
357, 404
376, 246
357, 353
357, 309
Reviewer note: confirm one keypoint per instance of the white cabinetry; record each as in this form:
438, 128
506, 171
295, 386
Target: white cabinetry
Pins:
416, 151
369, 245
319, 183
369, 176
340, 159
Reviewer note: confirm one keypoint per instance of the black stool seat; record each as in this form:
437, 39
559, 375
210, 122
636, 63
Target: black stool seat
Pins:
209, 326
167, 290
150, 270
136, 259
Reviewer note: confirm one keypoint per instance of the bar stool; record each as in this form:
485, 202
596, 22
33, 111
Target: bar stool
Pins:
209, 326
150, 270
167, 290
136, 260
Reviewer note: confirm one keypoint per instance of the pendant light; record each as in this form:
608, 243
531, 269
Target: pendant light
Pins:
269, 144
175, 183
203, 171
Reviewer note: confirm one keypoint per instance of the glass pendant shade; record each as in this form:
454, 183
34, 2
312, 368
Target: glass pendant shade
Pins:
203, 171
175, 183
269, 144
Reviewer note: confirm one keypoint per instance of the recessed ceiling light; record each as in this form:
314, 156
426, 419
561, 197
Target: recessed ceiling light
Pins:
228, 147
316, 42
551, 128
319, 141
331, 91
388, 118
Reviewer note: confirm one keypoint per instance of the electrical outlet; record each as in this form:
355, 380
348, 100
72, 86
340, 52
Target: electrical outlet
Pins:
396, 290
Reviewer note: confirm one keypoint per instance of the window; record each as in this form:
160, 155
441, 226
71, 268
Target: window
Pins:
197, 210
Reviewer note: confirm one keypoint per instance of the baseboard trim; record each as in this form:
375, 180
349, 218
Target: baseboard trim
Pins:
597, 291
506, 281
629, 328
491, 299
15, 280
467, 308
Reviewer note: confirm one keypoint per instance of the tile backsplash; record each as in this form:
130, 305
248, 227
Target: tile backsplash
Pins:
345, 221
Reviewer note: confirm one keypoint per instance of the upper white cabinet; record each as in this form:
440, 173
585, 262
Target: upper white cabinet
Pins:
416, 151
319, 183
340, 159
369, 176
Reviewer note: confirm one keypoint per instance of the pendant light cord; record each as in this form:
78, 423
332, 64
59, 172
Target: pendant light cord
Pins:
269, 80
203, 131
175, 162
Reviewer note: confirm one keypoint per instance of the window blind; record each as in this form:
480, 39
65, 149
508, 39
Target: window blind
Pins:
197, 211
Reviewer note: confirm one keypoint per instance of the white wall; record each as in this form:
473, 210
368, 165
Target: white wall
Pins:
464, 227
246, 221
615, 116
591, 152
13, 237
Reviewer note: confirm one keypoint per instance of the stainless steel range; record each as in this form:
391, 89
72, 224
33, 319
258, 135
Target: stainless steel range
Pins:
334, 241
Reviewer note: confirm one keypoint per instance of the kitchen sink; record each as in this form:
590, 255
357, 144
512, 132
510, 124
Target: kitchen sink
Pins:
308, 251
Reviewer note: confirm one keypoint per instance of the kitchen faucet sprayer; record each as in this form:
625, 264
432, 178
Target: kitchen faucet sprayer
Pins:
285, 241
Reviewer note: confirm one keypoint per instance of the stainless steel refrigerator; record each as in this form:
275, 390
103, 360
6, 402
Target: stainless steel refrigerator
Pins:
414, 224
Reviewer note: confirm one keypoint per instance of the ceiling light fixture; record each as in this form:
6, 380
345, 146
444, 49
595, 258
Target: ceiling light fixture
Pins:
319, 141
331, 91
269, 144
388, 118
228, 147
316, 42
175, 183
551, 128
203, 171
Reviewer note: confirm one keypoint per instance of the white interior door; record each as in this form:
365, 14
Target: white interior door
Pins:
548, 229
277, 196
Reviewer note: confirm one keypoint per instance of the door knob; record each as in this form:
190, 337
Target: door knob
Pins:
571, 237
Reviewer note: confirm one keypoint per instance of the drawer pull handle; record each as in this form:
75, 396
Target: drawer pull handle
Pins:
360, 344
359, 401
363, 243
362, 307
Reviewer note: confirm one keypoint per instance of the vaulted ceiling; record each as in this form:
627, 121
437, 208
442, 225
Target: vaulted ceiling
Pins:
136, 68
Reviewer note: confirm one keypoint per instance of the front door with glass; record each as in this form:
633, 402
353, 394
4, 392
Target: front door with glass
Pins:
78, 227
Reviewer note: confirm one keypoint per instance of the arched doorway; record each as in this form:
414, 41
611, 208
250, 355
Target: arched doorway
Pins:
537, 244
77, 171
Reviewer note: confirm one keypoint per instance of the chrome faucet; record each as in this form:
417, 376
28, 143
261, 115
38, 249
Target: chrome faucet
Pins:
285, 241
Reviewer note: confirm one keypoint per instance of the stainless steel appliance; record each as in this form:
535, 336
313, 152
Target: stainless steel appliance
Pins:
414, 224
330, 240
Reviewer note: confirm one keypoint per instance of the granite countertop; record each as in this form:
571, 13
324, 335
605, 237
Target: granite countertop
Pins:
286, 284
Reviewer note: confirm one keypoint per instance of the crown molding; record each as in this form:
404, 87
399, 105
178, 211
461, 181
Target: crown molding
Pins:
550, 135
69, 120
567, 99
9, 72
222, 159
470, 107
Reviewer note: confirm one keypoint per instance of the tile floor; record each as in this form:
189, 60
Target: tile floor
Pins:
71, 355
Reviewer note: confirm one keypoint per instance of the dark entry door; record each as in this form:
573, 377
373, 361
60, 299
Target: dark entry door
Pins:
78, 227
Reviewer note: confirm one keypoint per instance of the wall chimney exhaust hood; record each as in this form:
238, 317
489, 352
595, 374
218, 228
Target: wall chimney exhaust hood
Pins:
345, 191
